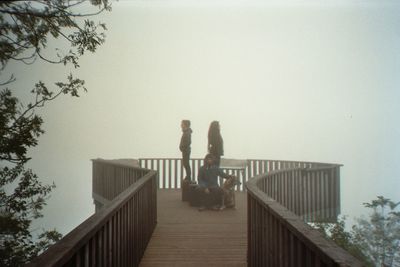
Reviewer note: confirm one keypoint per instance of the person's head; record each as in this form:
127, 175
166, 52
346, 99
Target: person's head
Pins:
185, 124
209, 159
214, 130
214, 126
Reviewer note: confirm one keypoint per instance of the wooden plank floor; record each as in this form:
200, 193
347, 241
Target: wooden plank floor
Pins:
186, 237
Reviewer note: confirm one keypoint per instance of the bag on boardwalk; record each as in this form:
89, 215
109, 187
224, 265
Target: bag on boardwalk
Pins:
185, 189
194, 195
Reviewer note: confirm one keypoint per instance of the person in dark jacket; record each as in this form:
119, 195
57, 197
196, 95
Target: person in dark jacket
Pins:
208, 190
215, 143
184, 147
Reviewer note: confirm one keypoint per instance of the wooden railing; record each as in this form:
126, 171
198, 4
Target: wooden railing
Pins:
116, 235
171, 169
281, 195
276, 235
312, 196
311, 193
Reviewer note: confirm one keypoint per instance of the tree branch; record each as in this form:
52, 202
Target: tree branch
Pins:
58, 13
13, 42
10, 80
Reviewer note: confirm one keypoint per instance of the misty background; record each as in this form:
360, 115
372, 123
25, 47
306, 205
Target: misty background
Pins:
299, 80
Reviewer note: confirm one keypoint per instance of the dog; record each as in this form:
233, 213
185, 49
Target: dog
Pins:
228, 200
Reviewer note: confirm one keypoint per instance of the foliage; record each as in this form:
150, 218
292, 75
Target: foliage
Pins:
376, 240
337, 232
379, 235
26, 28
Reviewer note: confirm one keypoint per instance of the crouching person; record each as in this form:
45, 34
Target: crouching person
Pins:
209, 192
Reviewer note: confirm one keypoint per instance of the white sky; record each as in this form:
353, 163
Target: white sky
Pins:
297, 81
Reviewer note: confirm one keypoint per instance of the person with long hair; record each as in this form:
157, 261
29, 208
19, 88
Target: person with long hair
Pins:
215, 142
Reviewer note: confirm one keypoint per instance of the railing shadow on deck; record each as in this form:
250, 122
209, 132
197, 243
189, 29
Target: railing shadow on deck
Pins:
117, 234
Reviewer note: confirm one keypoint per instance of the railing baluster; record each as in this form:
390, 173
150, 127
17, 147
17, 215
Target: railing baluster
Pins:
169, 174
176, 174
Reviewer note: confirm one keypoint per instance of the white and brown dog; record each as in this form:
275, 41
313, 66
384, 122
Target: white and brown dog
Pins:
228, 201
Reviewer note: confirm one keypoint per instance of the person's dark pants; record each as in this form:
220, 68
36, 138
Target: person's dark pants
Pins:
211, 199
186, 165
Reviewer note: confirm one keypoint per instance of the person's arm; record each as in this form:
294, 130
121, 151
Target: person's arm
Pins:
222, 147
185, 142
224, 175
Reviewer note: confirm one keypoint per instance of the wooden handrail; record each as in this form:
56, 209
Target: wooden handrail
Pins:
278, 237
116, 235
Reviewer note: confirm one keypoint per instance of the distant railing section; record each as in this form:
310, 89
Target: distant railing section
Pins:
118, 234
310, 189
311, 193
111, 177
171, 170
277, 236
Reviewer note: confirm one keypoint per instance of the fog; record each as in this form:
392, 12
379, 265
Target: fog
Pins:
308, 82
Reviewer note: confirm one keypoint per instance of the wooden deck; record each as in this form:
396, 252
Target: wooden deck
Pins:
186, 237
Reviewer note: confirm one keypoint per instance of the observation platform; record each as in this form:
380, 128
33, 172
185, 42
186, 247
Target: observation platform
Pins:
140, 219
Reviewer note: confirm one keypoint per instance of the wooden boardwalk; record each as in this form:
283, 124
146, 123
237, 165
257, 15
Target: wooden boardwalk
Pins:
186, 237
